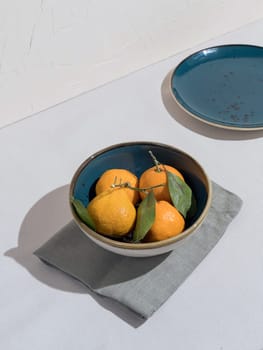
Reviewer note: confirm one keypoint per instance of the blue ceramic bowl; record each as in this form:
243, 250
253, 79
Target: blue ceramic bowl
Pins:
134, 156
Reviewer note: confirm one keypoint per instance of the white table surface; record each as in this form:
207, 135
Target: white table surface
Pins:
53, 50
219, 307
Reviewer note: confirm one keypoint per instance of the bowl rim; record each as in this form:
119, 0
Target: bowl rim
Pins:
137, 246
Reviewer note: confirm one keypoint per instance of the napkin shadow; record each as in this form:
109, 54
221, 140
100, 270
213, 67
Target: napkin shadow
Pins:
196, 125
42, 221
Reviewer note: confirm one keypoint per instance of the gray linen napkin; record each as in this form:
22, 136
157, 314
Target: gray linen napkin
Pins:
141, 284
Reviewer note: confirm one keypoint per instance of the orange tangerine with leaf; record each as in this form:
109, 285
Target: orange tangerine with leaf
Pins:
156, 178
168, 222
113, 177
112, 212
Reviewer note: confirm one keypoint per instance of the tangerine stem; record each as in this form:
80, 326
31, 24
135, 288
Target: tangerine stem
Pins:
156, 162
127, 185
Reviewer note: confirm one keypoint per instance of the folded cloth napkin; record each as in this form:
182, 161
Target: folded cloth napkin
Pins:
141, 284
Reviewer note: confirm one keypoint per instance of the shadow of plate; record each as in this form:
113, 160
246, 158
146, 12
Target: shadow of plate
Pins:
196, 125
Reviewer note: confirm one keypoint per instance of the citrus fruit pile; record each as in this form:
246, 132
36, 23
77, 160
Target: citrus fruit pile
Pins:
149, 208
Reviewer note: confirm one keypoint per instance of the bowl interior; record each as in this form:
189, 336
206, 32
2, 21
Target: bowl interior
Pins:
135, 157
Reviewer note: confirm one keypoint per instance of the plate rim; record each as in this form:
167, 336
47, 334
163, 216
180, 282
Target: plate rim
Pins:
215, 124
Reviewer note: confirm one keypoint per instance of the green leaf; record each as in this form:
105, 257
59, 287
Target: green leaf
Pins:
191, 212
145, 217
180, 192
82, 212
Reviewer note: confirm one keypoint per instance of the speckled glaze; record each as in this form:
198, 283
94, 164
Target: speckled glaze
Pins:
222, 86
134, 156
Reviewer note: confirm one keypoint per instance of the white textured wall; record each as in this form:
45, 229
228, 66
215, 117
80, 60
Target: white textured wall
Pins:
51, 50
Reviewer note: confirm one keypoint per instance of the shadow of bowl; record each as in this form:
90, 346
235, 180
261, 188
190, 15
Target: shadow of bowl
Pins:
48, 216
45, 218
196, 125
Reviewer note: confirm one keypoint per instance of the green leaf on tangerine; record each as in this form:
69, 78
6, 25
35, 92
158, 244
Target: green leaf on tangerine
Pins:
82, 212
191, 212
180, 192
145, 217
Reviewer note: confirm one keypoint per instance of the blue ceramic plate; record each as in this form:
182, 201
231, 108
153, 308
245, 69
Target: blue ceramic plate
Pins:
222, 86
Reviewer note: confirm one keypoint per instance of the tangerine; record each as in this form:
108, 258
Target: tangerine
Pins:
109, 177
155, 176
168, 222
112, 212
